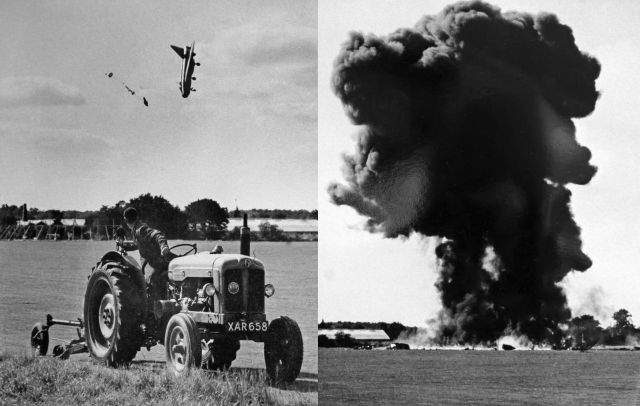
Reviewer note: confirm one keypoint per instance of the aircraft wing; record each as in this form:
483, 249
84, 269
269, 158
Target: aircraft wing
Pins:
179, 51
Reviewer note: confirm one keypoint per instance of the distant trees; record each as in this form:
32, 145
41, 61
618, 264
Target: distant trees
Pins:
57, 216
324, 341
622, 330
200, 219
623, 322
345, 340
279, 214
107, 216
34, 213
585, 329
158, 213
9, 215
271, 232
211, 218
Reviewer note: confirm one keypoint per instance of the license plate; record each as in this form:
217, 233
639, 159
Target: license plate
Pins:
246, 326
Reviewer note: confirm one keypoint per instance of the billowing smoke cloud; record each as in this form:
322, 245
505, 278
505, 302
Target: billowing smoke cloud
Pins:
467, 135
593, 302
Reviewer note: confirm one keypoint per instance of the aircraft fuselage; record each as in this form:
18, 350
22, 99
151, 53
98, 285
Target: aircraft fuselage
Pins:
188, 65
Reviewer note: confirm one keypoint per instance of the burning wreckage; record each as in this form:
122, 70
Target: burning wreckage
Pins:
467, 136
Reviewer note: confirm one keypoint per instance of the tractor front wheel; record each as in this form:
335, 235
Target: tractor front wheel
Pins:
182, 344
111, 312
283, 350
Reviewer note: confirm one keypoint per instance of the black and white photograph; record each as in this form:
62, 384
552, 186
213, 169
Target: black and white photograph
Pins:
158, 202
478, 202
319, 202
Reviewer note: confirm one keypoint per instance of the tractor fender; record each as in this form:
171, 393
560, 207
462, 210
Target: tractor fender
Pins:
130, 267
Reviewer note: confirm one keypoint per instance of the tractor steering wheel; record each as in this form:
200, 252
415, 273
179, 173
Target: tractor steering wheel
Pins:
193, 249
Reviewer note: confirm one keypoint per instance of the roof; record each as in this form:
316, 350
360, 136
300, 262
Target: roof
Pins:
65, 222
359, 334
287, 225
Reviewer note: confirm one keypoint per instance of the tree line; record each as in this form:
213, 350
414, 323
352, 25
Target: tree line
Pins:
201, 219
582, 332
277, 214
586, 330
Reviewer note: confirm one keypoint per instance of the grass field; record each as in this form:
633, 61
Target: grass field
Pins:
45, 380
447, 377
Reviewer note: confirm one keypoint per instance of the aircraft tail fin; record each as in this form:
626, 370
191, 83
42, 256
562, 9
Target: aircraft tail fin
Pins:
179, 51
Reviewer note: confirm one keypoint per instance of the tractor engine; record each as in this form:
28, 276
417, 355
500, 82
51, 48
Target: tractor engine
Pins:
191, 294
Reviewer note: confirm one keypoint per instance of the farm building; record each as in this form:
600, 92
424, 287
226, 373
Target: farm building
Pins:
64, 222
298, 228
362, 336
44, 229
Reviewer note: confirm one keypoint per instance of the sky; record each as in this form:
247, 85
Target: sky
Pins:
73, 138
364, 277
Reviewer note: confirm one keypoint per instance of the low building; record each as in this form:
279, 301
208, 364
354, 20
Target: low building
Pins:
63, 222
373, 338
40, 229
299, 229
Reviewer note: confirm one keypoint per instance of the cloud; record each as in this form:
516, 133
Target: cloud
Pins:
37, 91
257, 45
306, 77
277, 50
55, 158
36, 139
294, 109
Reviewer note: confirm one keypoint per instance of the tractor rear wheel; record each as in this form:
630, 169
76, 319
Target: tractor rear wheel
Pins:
221, 353
283, 350
112, 317
182, 344
39, 339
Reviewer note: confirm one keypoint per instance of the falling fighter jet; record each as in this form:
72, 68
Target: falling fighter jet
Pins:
188, 64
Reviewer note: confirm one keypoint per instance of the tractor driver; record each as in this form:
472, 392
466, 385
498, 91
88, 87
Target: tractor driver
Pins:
154, 251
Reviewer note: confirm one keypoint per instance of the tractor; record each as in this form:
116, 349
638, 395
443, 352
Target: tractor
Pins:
213, 301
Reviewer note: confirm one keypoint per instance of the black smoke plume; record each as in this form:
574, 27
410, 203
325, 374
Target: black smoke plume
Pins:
467, 135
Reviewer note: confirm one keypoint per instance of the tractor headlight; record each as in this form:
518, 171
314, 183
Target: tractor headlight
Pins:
209, 290
269, 290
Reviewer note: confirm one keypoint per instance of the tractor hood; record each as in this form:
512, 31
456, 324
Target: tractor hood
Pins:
206, 265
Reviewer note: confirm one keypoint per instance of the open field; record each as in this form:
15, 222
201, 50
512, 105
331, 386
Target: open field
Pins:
27, 380
351, 377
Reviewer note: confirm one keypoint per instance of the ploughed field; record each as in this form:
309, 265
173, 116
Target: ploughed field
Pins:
352, 377
40, 277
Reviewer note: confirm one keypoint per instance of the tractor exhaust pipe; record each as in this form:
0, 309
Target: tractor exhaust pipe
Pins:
245, 237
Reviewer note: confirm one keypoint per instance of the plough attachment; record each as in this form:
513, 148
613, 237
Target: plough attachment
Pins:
40, 338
